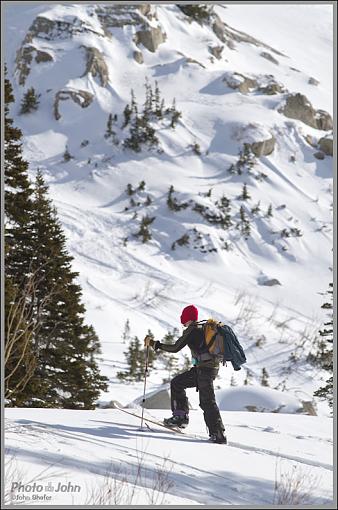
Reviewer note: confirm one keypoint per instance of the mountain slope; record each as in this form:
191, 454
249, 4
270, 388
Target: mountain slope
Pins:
84, 60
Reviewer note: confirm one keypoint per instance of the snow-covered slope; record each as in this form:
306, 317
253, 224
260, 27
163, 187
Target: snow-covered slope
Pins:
76, 53
102, 457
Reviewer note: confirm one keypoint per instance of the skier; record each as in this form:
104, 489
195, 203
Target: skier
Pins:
200, 376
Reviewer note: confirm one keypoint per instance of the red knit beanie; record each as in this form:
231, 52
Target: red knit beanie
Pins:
189, 313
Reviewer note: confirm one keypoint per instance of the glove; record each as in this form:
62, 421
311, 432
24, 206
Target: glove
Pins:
149, 342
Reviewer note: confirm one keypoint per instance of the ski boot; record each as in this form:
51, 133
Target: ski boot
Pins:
177, 421
218, 437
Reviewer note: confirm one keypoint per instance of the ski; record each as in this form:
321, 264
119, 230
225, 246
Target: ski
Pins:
175, 430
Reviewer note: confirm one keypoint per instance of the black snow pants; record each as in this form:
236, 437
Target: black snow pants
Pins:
201, 378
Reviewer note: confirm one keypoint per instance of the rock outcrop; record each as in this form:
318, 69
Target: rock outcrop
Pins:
262, 148
313, 81
326, 145
80, 97
24, 58
151, 38
269, 57
265, 84
238, 81
298, 107
216, 51
96, 65
138, 57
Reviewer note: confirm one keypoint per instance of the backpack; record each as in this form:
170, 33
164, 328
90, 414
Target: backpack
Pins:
222, 343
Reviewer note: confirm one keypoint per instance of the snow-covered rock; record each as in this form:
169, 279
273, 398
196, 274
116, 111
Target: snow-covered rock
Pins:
257, 399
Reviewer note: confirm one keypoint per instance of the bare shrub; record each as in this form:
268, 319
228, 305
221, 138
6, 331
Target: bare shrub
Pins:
295, 486
120, 485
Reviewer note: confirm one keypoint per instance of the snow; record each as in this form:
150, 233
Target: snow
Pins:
260, 399
149, 284
57, 446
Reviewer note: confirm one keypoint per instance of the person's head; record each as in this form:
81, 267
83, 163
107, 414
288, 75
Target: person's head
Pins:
188, 315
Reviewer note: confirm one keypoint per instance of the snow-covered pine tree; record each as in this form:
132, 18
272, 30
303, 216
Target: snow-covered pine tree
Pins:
30, 101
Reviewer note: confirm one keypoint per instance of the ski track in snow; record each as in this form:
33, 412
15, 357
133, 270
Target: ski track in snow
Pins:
108, 435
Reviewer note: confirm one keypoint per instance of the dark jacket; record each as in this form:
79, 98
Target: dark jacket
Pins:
193, 337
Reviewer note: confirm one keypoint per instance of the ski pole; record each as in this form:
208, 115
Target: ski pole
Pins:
145, 383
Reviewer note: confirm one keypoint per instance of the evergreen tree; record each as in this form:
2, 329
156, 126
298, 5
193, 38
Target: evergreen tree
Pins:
67, 374
225, 208
127, 116
256, 209
110, 133
244, 223
67, 155
18, 199
170, 362
133, 104
233, 381
196, 148
135, 358
144, 229
141, 186
265, 377
130, 191
269, 213
245, 194
324, 355
18, 208
30, 101
126, 332
175, 115
157, 100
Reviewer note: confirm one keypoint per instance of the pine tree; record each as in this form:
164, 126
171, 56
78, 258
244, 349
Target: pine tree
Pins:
256, 209
244, 223
110, 133
269, 213
324, 355
225, 208
67, 155
175, 115
245, 194
233, 381
18, 197
144, 229
170, 362
126, 332
265, 377
133, 104
67, 374
18, 208
30, 101
135, 358
157, 100
196, 148
127, 116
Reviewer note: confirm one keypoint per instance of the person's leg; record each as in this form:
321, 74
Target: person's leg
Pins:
212, 417
179, 401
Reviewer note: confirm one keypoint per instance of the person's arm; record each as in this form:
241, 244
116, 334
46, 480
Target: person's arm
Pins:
179, 344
